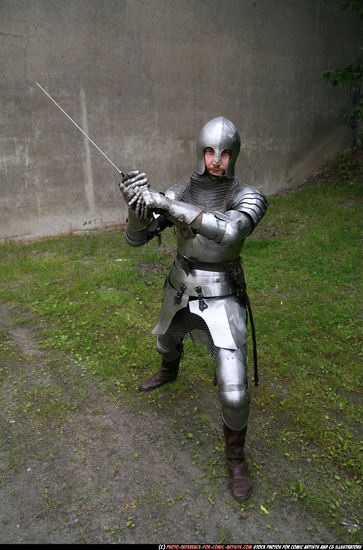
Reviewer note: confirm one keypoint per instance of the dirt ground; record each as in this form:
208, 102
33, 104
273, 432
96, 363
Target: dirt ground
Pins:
107, 471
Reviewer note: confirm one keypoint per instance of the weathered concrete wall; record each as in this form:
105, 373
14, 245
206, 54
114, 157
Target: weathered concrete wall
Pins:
141, 77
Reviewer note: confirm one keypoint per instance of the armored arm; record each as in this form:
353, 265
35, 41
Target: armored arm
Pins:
225, 228
141, 226
248, 207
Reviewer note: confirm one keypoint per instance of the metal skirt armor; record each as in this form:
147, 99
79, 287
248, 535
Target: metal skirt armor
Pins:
224, 317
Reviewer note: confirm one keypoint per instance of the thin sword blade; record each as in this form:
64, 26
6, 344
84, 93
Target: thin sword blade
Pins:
80, 129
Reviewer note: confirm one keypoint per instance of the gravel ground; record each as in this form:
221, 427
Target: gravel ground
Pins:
106, 471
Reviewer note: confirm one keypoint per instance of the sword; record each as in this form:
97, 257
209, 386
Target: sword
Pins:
80, 129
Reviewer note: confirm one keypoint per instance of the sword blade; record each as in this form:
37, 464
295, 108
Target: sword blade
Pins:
80, 129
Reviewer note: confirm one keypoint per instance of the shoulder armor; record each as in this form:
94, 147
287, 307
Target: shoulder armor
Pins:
250, 201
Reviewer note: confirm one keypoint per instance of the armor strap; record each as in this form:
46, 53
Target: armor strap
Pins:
254, 342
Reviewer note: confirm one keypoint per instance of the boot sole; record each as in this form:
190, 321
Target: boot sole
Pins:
154, 387
242, 498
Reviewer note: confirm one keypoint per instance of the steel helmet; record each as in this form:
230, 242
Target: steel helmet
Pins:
220, 134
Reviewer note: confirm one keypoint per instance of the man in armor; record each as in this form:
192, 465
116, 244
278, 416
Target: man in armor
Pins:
205, 293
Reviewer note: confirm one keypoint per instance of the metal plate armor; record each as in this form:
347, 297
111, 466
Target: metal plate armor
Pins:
213, 215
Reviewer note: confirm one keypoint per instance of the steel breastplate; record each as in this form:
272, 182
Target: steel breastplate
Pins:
205, 250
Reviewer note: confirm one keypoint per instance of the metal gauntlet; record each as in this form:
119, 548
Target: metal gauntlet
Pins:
138, 230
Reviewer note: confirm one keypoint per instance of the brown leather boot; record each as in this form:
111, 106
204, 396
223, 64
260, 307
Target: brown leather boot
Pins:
168, 373
241, 483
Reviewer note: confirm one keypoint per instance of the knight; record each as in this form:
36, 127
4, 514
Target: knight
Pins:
205, 295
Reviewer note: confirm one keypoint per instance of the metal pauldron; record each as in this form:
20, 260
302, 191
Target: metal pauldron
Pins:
253, 203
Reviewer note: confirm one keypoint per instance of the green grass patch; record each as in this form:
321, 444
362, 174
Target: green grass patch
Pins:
97, 300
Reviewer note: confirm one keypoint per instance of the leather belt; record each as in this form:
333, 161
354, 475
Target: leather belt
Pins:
187, 264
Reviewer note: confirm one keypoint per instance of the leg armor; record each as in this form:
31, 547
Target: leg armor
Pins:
233, 387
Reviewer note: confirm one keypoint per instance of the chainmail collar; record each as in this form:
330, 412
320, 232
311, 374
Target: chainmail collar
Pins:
207, 181
212, 192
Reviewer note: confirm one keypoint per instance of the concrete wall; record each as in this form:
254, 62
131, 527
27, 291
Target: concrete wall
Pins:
141, 77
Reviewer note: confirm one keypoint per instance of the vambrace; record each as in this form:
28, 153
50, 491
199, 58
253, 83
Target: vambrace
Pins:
221, 228
178, 213
224, 229
181, 213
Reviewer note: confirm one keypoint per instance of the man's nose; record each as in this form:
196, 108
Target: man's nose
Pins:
217, 157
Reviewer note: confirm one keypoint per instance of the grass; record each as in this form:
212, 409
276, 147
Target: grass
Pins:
96, 299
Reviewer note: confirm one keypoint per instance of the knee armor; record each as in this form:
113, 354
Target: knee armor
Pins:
233, 387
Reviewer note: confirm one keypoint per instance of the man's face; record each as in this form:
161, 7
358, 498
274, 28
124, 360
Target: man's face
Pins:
213, 167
